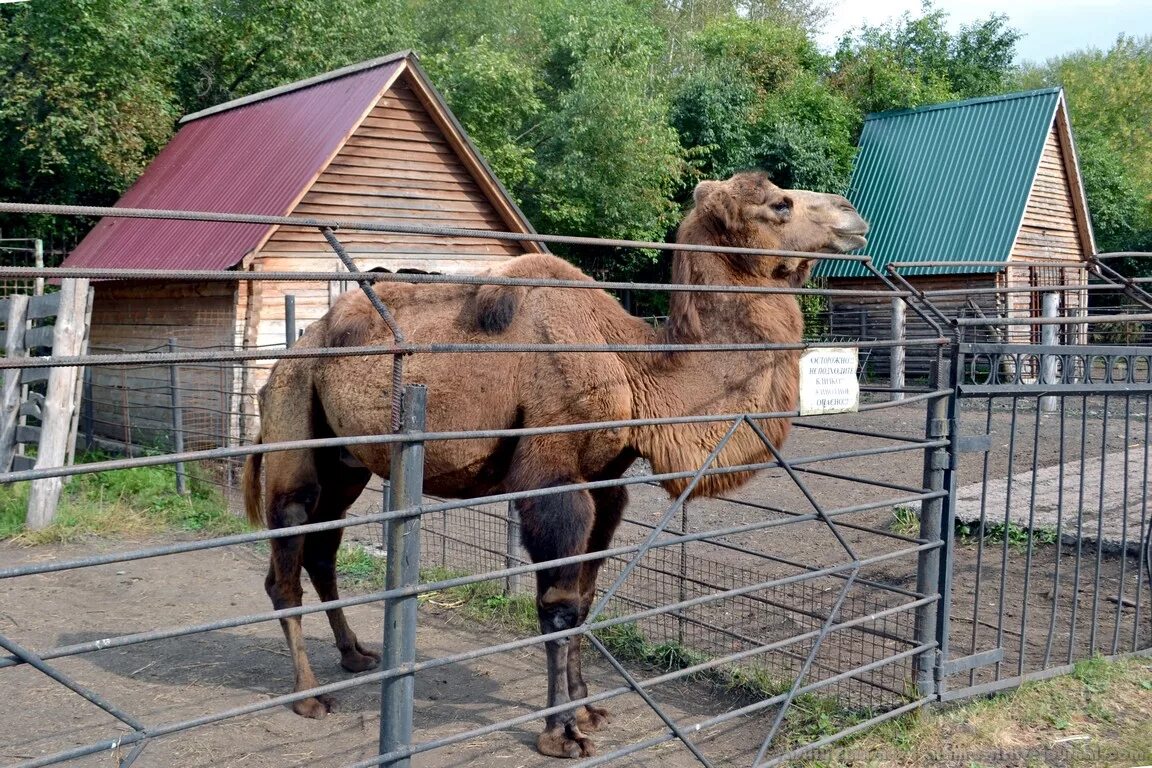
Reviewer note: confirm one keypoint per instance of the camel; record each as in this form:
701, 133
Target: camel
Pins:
343, 396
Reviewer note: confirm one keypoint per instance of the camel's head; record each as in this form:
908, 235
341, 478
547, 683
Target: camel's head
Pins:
750, 211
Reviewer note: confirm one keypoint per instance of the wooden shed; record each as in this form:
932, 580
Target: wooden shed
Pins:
369, 142
990, 181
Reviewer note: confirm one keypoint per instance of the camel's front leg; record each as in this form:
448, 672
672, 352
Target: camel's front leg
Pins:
610, 503
554, 527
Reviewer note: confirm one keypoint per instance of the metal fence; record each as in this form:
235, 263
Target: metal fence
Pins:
879, 562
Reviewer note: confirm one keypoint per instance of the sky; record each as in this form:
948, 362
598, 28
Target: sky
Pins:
1050, 27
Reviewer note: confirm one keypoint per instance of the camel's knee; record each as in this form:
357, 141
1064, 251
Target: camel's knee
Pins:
289, 508
283, 593
558, 609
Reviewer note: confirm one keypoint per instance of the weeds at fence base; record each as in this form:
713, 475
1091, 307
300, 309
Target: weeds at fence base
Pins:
122, 503
906, 522
810, 717
1096, 716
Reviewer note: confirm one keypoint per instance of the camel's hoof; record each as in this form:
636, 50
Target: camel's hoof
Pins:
592, 719
359, 660
316, 707
561, 741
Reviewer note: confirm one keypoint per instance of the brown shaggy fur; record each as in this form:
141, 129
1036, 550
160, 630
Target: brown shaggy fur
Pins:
350, 396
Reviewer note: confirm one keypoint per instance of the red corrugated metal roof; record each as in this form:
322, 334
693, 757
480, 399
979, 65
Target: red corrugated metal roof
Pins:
257, 155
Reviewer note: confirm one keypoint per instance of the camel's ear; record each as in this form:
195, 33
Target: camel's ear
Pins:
713, 200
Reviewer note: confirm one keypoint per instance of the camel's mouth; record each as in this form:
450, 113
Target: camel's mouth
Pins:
850, 241
845, 242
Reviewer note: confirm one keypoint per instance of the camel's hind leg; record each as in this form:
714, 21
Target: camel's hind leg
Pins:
296, 496
340, 487
288, 507
610, 503
553, 527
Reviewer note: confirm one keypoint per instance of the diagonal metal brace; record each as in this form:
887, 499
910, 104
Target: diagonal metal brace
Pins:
39, 664
385, 315
825, 630
792, 473
660, 527
647, 697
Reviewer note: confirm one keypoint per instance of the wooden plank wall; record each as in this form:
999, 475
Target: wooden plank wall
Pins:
132, 404
1049, 231
396, 167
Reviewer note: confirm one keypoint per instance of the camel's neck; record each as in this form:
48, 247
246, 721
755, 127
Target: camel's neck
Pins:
710, 383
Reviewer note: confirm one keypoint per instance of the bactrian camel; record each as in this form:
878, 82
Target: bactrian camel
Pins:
342, 396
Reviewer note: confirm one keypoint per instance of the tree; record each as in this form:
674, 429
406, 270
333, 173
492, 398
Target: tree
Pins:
760, 99
916, 60
1110, 104
92, 89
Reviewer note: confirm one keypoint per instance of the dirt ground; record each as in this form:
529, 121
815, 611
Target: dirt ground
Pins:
1095, 600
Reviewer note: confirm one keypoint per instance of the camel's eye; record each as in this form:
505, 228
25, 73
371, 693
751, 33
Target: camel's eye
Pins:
782, 207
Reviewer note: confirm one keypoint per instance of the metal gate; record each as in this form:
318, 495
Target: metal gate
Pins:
1046, 559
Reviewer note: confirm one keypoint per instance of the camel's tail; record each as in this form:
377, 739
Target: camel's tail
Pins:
251, 483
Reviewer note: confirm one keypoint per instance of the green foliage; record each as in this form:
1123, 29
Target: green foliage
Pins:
760, 100
1018, 536
492, 91
916, 60
906, 520
1110, 105
360, 568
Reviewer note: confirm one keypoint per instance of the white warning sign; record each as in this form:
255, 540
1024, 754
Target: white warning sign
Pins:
828, 381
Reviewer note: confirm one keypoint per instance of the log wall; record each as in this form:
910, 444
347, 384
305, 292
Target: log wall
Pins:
132, 404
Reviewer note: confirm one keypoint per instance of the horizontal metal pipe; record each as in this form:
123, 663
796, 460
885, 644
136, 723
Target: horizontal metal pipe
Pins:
791, 756
233, 276
333, 442
436, 586
1086, 320
898, 265
246, 538
378, 226
737, 713
296, 352
673, 676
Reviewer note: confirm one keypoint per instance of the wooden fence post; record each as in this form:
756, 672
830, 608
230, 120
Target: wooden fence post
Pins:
67, 340
10, 407
897, 355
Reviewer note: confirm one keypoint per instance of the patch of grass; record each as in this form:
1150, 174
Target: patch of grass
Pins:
1018, 536
1103, 704
127, 502
905, 520
360, 569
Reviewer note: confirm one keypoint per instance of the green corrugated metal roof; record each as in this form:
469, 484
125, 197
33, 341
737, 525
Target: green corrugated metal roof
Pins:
948, 182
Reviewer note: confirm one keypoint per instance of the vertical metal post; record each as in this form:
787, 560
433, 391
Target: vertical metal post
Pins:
511, 549
1049, 337
935, 525
177, 420
289, 320
896, 360
403, 569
